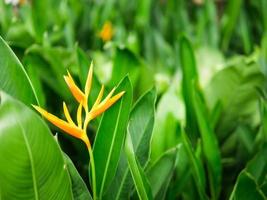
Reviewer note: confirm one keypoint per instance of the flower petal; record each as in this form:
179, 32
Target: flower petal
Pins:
79, 116
88, 83
108, 96
68, 128
99, 97
67, 114
76, 92
103, 107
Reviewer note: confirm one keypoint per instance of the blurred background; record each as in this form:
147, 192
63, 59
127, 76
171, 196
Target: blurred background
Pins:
142, 38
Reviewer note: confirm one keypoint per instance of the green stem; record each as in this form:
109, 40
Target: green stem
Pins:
92, 162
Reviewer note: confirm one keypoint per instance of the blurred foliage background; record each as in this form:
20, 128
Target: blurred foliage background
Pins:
226, 57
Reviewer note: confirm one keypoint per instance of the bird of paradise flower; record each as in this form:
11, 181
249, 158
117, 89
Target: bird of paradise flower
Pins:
79, 130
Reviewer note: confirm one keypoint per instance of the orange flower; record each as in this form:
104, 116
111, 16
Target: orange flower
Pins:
106, 32
69, 126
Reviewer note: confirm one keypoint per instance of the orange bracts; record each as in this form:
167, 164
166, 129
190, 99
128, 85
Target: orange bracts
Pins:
106, 33
78, 129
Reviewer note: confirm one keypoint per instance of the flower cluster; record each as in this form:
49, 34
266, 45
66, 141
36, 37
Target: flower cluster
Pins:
78, 129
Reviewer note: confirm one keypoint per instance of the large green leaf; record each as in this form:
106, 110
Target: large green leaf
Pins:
140, 128
32, 164
13, 78
79, 188
110, 137
140, 180
160, 173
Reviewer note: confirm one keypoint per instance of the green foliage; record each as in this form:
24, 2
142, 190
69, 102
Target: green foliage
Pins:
199, 133
28, 168
13, 78
113, 126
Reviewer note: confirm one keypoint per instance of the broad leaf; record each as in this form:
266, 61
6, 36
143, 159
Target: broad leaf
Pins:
32, 164
110, 137
13, 77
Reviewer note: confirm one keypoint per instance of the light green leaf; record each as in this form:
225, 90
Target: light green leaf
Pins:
13, 77
110, 137
32, 164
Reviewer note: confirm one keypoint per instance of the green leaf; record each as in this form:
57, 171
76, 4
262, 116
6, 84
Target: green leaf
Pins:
239, 97
246, 188
229, 20
210, 145
110, 137
138, 175
160, 173
125, 62
79, 188
29, 169
250, 182
140, 128
166, 120
32, 66
13, 77
197, 167
84, 65
189, 71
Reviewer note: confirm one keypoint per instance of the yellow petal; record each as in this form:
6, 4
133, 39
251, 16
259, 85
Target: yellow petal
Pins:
103, 107
79, 116
99, 97
68, 128
67, 114
106, 32
108, 96
88, 83
76, 92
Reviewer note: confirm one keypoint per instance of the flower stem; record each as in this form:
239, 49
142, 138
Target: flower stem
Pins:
92, 162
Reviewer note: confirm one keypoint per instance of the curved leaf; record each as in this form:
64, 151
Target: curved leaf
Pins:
29, 169
160, 173
13, 77
110, 137
79, 188
140, 128
190, 74
138, 175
